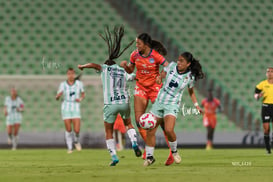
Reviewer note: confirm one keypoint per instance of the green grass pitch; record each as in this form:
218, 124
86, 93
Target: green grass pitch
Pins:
48, 165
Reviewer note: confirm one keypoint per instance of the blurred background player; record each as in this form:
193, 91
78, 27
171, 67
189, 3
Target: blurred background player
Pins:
115, 92
265, 90
179, 76
13, 108
210, 105
146, 59
73, 93
119, 131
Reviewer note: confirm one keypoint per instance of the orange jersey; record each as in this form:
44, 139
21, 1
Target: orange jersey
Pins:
147, 67
210, 107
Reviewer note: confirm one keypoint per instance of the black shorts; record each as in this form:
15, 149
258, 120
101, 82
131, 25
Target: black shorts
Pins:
267, 113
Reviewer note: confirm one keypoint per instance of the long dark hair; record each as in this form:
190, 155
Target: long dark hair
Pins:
195, 67
154, 44
113, 42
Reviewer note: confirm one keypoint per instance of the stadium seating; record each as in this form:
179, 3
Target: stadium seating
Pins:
45, 37
231, 38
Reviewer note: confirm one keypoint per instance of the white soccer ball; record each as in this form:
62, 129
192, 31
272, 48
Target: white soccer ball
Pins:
147, 121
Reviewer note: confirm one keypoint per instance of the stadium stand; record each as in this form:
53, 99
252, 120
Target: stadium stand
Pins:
231, 38
40, 39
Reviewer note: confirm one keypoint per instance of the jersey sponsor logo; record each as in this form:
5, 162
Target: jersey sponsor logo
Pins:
173, 84
72, 93
151, 60
118, 97
267, 117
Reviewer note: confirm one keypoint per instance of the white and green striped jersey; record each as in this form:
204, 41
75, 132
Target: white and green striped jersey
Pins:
70, 94
114, 80
174, 85
12, 105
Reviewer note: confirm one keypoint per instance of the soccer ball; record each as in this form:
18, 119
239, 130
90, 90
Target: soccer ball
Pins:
147, 121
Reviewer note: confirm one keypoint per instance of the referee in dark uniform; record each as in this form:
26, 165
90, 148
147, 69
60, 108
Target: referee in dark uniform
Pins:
265, 90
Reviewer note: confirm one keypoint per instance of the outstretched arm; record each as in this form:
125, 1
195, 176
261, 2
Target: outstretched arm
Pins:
5, 111
194, 100
128, 68
90, 65
59, 95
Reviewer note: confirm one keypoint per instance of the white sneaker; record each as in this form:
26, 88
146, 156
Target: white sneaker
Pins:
13, 148
176, 157
78, 146
70, 151
149, 161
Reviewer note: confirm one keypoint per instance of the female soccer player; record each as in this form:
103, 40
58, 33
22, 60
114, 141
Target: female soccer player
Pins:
166, 107
13, 108
116, 95
265, 89
146, 59
73, 92
210, 105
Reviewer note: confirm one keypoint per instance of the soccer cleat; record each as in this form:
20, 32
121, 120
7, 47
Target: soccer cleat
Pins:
78, 146
114, 161
70, 151
170, 160
209, 147
149, 161
144, 155
176, 157
268, 151
138, 152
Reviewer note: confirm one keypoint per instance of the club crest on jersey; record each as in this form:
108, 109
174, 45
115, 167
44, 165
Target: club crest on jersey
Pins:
151, 60
185, 79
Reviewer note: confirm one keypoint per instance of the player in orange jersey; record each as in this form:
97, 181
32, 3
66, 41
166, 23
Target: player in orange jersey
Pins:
210, 105
119, 130
147, 58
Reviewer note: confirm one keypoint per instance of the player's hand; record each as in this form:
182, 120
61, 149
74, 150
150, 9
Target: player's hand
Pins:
80, 67
78, 100
200, 110
57, 97
5, 113
158, 80
123, 64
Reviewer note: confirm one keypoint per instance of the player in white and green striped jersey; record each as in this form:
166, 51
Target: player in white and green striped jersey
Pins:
13, 108
179, 76
115, 92
73, 93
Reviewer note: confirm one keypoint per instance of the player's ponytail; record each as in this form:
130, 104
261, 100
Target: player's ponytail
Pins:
154, 44
195, 67
113, 42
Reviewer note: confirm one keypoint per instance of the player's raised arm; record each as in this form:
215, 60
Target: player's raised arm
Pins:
90, 65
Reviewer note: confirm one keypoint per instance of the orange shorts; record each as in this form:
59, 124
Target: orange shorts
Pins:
150, 92
210, 121
119, 125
